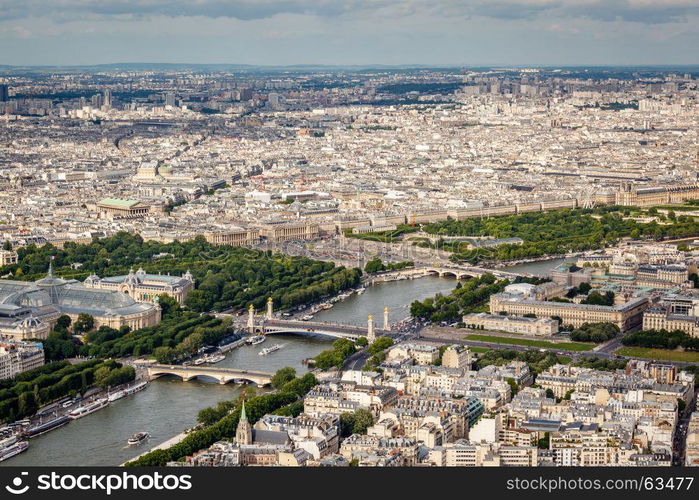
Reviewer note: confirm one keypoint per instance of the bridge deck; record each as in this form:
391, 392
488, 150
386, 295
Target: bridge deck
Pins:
210, 369
319, 326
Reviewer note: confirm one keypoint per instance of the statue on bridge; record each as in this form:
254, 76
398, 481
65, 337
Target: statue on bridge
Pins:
251, 319
270, 307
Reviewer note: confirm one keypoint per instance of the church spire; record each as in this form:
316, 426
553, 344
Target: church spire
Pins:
243, 434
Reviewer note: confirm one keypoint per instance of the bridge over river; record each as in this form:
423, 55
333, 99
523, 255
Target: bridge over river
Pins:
336, 330
223, 375
455, 271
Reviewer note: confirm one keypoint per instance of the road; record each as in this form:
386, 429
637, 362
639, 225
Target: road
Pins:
356, 361
606, 351
680, 440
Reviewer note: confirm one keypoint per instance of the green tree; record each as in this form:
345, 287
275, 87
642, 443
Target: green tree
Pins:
84, 323
282, 377
513, 385
63, 321
356, 422
380, 344
200, 300
168, 305
374, 266
27, 403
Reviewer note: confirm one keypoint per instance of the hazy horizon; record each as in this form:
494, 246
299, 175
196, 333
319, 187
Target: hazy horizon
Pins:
439, 33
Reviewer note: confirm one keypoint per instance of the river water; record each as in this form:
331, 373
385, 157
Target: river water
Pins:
168, 405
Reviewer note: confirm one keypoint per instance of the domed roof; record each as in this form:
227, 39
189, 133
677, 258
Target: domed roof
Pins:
50, 279
30, 323
92, 279
132, 279
33, 298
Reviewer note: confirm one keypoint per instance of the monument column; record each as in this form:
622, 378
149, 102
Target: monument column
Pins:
270, 307
251, 319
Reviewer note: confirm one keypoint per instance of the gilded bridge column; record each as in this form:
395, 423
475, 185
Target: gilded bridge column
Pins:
251, 319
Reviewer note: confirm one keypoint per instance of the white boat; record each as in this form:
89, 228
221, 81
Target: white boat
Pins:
138, 438
8, 442
257, 339
200, 361
270, 349
127, 391
361, 290
84, 410
13, 449
307, 317
215, 358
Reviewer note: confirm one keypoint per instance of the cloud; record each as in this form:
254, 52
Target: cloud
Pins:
14, 32
68, 10
638, 11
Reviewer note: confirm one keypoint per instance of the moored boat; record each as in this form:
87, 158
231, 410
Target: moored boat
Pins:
46, 426
257, 339
215, 358
127, 391
13, 449
84, 410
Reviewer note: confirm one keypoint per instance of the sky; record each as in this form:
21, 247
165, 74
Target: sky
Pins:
351, 32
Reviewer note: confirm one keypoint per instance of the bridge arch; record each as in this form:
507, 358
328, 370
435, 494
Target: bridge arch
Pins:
270, 330
452, 274
222, 376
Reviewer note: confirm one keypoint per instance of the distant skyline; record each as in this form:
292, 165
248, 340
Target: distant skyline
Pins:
351, 32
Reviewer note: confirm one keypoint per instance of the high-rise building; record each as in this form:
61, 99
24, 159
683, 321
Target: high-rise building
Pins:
170, 99
4, 92
96, 101
107, 98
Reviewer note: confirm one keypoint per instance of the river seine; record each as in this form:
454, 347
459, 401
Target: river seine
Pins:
168, 405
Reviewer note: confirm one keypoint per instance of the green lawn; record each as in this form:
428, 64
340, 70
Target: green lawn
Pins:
563, 346
479, 349
664, 354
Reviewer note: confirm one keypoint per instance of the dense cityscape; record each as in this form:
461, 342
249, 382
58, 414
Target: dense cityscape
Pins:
349, 267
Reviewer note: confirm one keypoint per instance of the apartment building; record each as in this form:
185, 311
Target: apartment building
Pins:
18, 357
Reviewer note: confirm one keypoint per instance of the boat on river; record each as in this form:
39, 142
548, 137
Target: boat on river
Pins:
127, 391
85, 410
138, 438
47, 426
9, 451
269, 350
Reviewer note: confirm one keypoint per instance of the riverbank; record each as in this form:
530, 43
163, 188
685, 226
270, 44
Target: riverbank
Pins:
165, 444
169, 405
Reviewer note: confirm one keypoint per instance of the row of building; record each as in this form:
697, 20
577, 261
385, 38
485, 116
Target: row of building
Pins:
427, 413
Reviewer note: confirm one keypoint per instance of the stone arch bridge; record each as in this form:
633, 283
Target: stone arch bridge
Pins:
223, 375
